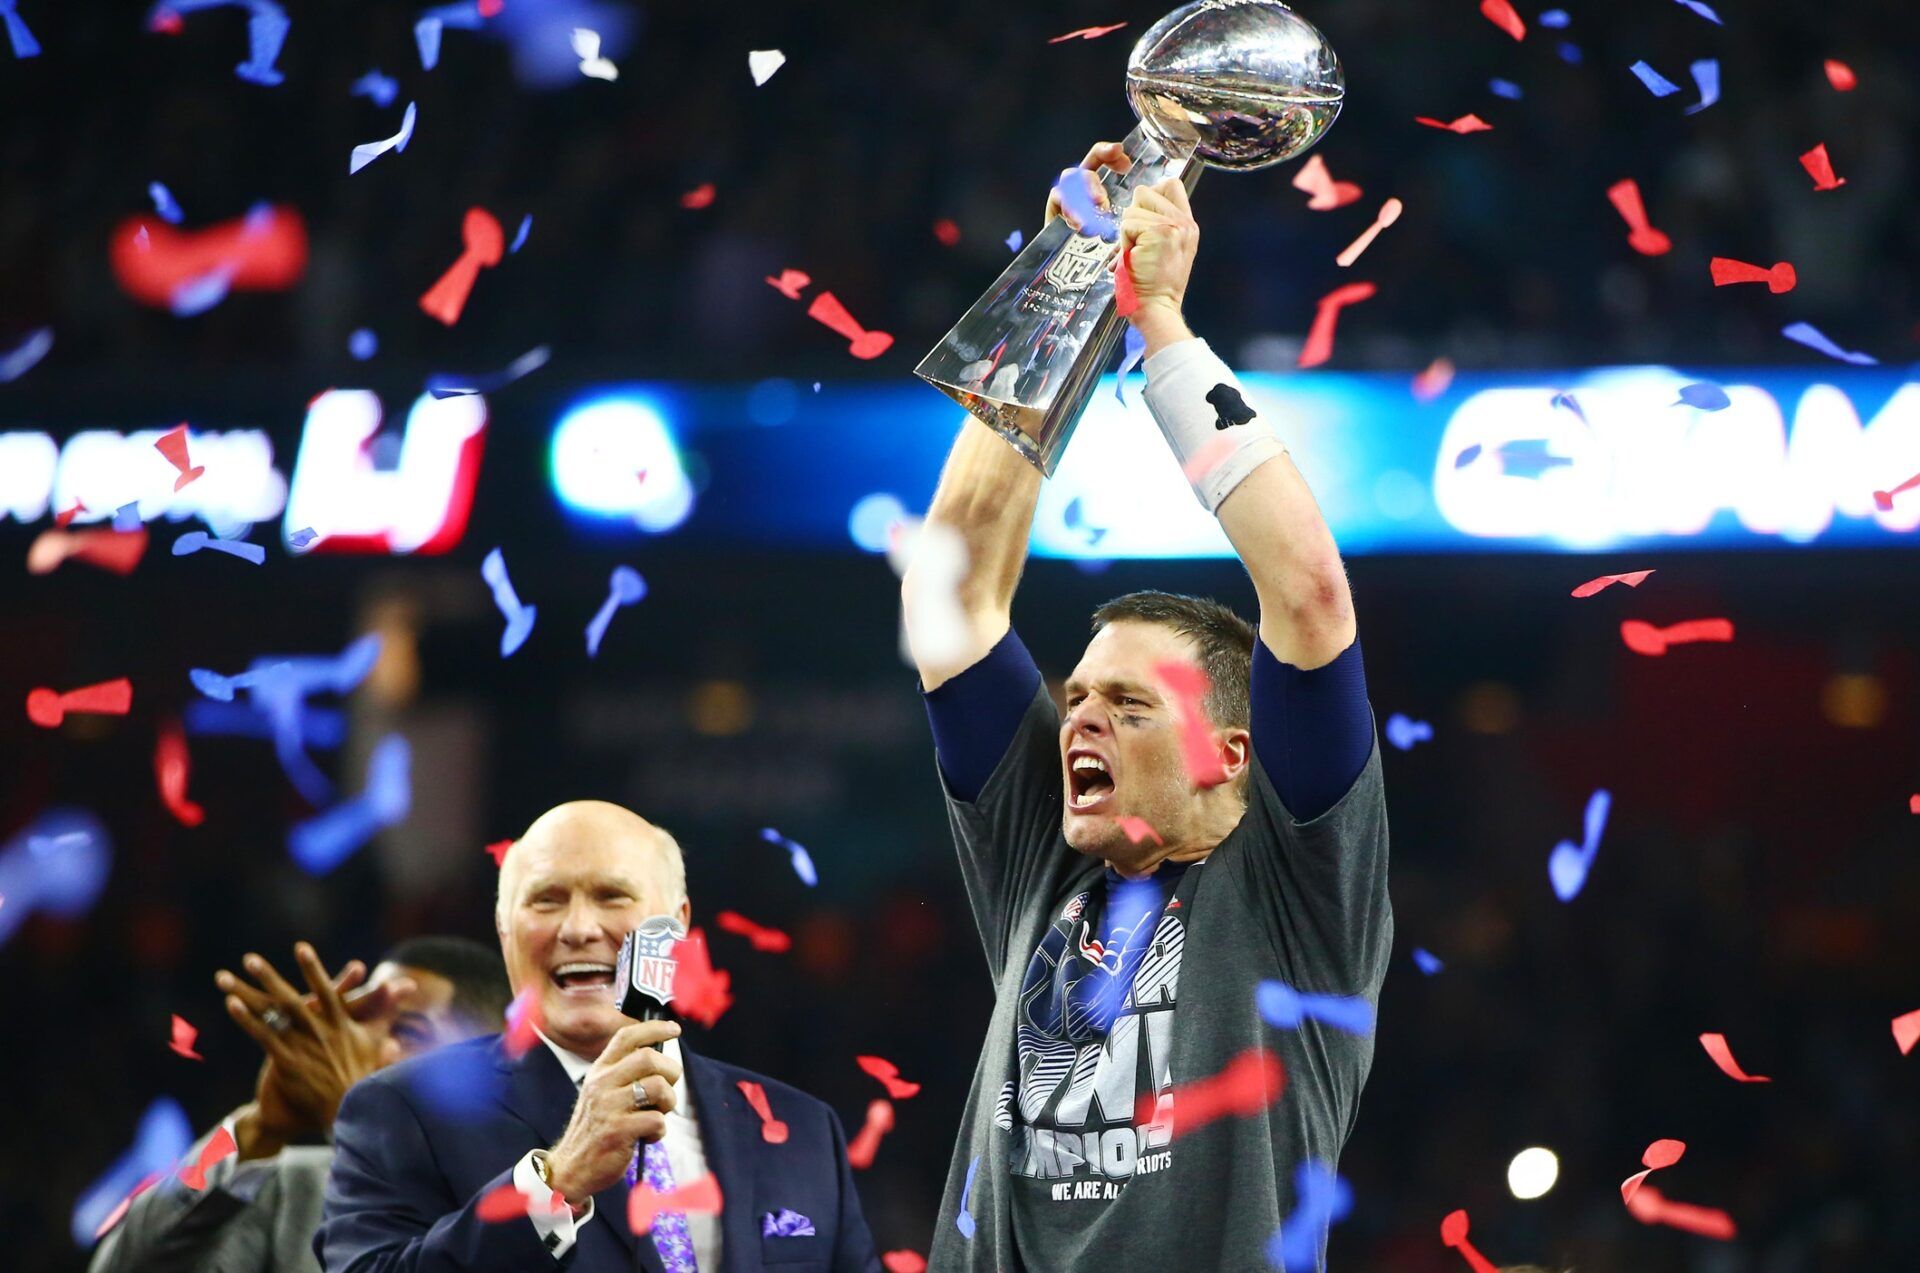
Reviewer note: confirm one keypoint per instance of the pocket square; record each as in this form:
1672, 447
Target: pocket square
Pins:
785, 1224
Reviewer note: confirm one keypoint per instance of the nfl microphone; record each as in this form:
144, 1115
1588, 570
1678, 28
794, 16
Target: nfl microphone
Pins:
643, 973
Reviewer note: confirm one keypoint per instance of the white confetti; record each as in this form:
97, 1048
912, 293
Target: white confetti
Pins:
763, 63
586, 47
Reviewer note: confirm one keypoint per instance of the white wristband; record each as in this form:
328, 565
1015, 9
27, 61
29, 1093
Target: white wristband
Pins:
1215, 435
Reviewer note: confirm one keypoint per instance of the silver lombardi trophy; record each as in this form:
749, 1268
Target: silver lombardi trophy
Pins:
1234, 84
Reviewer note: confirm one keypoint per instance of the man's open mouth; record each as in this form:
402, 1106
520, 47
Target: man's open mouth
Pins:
1089, 782
583, 979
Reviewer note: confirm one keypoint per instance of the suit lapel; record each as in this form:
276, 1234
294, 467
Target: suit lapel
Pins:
727, 1128
540, 1094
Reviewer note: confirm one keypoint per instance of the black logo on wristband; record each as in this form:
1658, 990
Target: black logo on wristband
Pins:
1232, 408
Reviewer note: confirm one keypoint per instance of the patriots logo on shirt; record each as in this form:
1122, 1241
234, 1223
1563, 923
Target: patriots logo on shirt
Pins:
1232, 408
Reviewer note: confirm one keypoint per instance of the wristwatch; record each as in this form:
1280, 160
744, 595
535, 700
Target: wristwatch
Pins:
540, 1169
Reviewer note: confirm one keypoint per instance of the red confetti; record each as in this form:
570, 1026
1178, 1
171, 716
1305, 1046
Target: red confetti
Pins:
119, 1211
1087, 33
1644, 638
1137, 829
170, 767
1650, 1207
771, 940
173, 445
1883, 500
947, 231
1716, 1046
194, 1175
1464, 125
1661, 1153
1501, 14
523, 1023
826, 308
490, 8
1126, 301
862, 1148
1906, 1026
498, 851
167, 22
1820, 168
1913, 804
772, 1130
1326, 316
1210, 453
789, 283
482, 245
1187, 685
700, 990
1433, 382
497, 1206
1633, 579
702, 1197
117, 551
64, 520
1327, 193
904, 1261
1841, 76
701, 196
1249, 1083
1781, 278
889, 1075
183, 1038
1453, 1233
1641, 237
47, 709
265, 252
1389, 213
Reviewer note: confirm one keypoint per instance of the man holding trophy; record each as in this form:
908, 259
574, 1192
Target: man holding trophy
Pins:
1236, 832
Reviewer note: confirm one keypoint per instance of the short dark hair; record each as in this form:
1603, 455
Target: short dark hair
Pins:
1225, 642
480, 990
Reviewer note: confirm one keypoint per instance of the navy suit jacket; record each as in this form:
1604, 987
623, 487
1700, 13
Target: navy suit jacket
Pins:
418, 1145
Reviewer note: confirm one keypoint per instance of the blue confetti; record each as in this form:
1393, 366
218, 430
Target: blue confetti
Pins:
127, 517
366, 152
58, 864
1074, 518
267, 27
363, 344
321, 727
520, 235
1529, 458
964, 1220
22, 358
1284, 1008
1505, 88
801, 859
164, 204
1702, 10
1657, 84
1135, 349
282, 693
326, 840
624, 589
1403, 731
198, 295
1014, 241
161, 1139
1321, 1199
382, 90
1705, 396
1567, 400
1570, 53
1429, 963
446, 386
426, 32
1568, 864
1468, 456
1706, 74
302, 537
24, 45
1810, 336
1556, 19
195, 540
216, 686
519, 618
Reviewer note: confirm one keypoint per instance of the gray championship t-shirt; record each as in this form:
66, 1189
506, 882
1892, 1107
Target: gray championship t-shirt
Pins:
1053, 1170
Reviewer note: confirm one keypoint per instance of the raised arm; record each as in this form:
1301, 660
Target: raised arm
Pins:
986, 495
1251, 484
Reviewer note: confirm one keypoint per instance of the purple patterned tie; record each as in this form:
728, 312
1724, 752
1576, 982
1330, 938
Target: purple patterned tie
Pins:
670, 1237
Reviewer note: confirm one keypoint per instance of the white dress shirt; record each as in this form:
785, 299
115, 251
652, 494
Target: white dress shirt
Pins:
558, 1229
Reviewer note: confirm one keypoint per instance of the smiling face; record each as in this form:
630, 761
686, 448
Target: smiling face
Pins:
1120, 753
582, 877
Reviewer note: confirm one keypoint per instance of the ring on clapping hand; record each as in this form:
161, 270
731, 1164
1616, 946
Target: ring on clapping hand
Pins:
640, 1098
276, 1020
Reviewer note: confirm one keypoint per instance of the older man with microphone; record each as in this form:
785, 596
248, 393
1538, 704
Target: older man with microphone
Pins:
537, 1167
